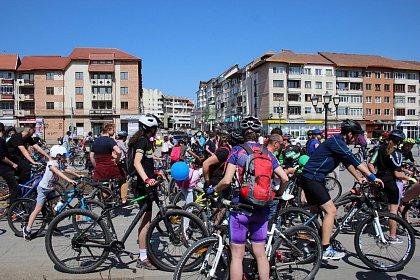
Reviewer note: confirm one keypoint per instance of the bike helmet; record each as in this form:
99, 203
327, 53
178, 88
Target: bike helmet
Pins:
149, 121
351, 126
236, 136
57, 150
122, 134
250, 123
397, 136
316, 132
409, 141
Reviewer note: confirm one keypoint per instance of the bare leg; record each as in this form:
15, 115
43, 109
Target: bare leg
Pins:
328, 223
124, 191
236, 269
33, 215
262, 260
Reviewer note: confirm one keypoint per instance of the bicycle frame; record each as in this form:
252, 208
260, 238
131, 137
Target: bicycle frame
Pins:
31, 188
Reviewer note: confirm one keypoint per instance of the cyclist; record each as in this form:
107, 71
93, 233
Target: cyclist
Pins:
388, 163
323, 161
144, 167
9, 132
314, 142
407, 154
7, 168
122, 144
361, 141
210, 146
48, 184
18, 150
256, 221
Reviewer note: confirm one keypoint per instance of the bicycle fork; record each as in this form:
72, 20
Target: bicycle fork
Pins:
377, 226
216, 259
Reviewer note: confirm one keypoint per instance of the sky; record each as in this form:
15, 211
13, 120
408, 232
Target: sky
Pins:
184, 41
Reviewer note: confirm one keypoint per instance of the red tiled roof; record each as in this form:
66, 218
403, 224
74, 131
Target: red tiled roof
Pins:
86, 53
9, 61
291, 57
361, 60
30, 63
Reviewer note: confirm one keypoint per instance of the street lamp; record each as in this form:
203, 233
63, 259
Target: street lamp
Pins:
326, 102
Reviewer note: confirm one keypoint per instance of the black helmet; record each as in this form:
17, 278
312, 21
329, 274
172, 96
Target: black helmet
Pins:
397, 136
236, 136
351, 126
250, 123
122, 134
309, 133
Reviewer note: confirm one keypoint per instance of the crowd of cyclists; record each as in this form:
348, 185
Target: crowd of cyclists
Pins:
241, 166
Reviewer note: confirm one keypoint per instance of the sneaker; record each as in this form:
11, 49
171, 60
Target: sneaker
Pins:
26, 234
146, 264
331, 254
394, 240
287, 196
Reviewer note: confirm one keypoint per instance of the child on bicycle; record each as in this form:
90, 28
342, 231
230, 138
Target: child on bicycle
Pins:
46, 188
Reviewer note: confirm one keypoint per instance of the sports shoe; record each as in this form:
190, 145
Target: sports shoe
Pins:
26, 234
331, 254
146, 264
394, 240
287, 196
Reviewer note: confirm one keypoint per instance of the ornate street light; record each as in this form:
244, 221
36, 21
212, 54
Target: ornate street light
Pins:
326, 102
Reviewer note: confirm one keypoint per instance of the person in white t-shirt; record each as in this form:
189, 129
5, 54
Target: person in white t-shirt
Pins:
48, 184
261, 140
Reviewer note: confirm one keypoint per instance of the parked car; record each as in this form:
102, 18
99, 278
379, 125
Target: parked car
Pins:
177, 137
301, 140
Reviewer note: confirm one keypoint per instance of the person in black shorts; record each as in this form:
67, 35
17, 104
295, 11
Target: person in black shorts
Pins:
144, 165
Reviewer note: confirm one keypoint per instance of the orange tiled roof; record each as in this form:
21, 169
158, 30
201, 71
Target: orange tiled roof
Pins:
9, 61
85, 53
361, 60
291, 57
30, 63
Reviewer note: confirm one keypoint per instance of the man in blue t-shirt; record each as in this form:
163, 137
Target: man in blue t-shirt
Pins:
256, 221
315, 141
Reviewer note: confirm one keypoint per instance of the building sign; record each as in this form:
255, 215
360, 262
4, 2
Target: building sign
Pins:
293, 121
407, 123
39, 127
212, 113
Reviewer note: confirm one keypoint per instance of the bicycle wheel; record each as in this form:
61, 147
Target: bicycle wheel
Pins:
92, 205
293, 216
4, 199
334, 187
179, 198
73, 251
79, 162
411, 214
298, 255
380, 254
202, 254
166, 249
18, 217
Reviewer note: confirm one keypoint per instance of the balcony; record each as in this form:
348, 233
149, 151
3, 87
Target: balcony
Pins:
6, 81
101, 96
6, 97
26, 97
100, 112
101, 82
25, 112
24, 82
6, 113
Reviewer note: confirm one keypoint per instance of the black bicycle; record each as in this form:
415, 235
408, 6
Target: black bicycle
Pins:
84, 248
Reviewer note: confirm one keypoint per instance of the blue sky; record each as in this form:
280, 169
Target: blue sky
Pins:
183, 42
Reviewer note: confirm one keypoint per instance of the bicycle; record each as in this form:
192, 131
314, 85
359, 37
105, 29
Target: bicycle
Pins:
21, 209
292, 251
78, 158
97, 237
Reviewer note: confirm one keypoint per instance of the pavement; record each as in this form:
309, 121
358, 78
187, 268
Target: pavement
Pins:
28, 259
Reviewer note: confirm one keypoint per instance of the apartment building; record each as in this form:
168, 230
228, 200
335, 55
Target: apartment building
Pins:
177, 112
153, 102
8, 66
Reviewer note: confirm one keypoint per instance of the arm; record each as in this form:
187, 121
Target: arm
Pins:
117, 152
206, 166
92, 159
192, 154
41, 151
26, 154
72, 173
139, 168
60, 174
227, 179
208, 150
9, 162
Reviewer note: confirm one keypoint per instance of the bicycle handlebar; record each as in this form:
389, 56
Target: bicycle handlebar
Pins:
236, 205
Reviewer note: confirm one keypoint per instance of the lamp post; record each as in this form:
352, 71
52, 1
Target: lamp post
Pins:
326, 102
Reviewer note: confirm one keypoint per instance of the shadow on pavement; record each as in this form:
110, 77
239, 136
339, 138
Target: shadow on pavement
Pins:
367, 275
2, 231
347, 260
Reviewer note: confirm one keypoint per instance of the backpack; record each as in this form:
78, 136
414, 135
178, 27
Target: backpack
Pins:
129, 162
256, 187
175, 154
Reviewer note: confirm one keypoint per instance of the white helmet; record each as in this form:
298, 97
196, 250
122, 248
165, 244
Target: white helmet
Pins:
57, 150
149, 120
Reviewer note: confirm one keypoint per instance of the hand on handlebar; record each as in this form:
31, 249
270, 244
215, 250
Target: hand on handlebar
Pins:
74, 183
362, 180
379, 182
413, 180
211, 191
150, 181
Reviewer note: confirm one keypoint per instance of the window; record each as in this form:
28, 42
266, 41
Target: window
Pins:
79, 75
278, 110
101, 62
412, 76
342, 86
399, 100
329, 72
308, 98
399, 88
79, 105
387, 99
308, 71
387, 75
124, 90
278, 96
368, 86
411, 112
398, 75
278, 70
293, 84
329, 85
377, 75
400, 112
411, 100
107, 76
339, 73
79, 90
6, 89
342, 111
387, 87
278, 83
411, 88
356, 111
356, 98
355, 74
308, 110
368, 111
318, 110
101, 104
377, 99
124, 75
368, 99
387, 112
293, 97
368, 74
124, 105
294, 110
50, 76
50, 105
102, 90
295, 70
355, 86
377, 87
377, 111
318, 85
318, 72
50, 91
308, 84
344, 99
7, 105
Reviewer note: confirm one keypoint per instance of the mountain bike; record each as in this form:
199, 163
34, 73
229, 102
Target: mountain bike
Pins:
82, 251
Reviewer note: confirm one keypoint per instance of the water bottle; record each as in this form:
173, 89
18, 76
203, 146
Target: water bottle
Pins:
58, 206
